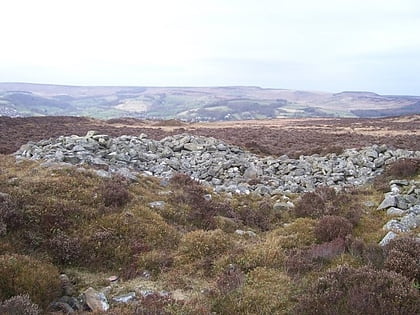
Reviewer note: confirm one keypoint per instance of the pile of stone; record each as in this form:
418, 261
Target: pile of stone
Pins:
100, 300
225, 167
402, 203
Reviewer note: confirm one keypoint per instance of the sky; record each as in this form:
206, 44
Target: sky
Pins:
323, 45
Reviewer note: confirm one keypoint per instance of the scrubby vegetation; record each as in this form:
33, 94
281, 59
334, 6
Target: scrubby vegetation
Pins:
347, 290
212, 253
26, 275
294, 138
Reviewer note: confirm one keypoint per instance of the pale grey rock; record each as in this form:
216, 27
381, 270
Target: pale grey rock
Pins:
221, 147
395, 189
396, 226
59, 156
95, 300
369, 204
283, 205
251, 172
157, 204
246, 233
103, 173
91, 133
411, 221
400, 182
395, 212
388, 202
387, 238
402, 202
263, 190
126, 173
193, 147
415, 209
125, 298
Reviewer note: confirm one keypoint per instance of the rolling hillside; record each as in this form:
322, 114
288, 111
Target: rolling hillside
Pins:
196, 103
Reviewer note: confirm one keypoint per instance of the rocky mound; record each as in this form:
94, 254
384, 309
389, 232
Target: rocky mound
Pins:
403, 204
225, 167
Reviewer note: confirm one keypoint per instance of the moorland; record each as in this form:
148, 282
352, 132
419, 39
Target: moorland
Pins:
175, 246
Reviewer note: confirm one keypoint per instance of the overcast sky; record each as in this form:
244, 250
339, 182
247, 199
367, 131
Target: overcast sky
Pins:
326, 45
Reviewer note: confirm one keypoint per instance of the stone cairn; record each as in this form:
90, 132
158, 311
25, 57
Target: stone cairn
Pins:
402, 203
213, 162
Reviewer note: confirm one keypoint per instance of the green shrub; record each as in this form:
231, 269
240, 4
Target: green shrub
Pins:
348, 290
24, 275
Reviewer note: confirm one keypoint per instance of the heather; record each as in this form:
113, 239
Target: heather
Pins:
184, 248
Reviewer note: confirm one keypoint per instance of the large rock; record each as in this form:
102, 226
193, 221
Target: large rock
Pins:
95, 300
125, 298
388, 202
396, 226
395, 212
387, 238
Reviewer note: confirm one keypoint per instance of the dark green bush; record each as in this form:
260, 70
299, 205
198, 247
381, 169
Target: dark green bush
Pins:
348, 290
25, 275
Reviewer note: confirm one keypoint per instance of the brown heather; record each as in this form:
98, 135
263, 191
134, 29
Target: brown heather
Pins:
347, 290
331, 227
292, 137
403, 256
26, 275
74, 221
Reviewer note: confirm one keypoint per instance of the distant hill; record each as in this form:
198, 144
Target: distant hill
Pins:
196, 103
